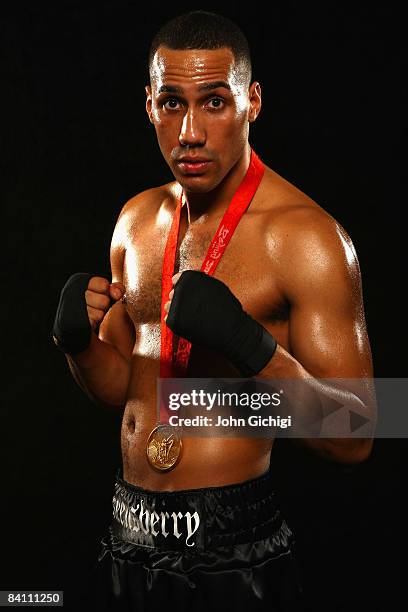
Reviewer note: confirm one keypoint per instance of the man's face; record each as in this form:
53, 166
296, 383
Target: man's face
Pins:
201, 107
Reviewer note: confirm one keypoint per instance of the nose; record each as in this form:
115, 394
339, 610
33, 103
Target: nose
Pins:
192, 132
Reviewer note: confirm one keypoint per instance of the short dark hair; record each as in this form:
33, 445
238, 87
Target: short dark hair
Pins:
204, 30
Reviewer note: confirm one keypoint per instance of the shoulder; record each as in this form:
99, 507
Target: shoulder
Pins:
297, 221
310, 232
311, 244
142, 209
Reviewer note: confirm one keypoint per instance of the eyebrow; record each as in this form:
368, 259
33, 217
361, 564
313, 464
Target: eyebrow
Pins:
202, 87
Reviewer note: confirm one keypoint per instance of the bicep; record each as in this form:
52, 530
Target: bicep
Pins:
327, 329
118, 330
117, 327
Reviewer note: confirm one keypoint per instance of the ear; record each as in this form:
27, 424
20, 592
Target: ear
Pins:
255, 101
148, 91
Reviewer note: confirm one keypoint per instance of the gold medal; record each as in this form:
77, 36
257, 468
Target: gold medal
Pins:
164, 447
164, 443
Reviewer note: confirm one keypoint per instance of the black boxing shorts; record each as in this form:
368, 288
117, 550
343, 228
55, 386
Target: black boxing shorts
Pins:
213, 549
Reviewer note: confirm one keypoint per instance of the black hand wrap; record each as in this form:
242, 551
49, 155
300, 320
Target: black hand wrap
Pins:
72, 329
205, 312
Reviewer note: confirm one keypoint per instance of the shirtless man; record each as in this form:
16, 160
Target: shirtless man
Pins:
295, 272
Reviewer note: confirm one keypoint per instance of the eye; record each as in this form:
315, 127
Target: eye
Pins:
216, 103
171, 104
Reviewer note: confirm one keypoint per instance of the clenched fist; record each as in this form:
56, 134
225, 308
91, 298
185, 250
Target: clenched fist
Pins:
99, 297
84, 302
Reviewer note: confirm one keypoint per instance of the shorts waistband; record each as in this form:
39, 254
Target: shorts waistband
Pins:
194, 519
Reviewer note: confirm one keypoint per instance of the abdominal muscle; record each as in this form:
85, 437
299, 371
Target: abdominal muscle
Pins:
204, 462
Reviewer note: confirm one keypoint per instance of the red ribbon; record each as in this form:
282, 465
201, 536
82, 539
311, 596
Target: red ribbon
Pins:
236, 208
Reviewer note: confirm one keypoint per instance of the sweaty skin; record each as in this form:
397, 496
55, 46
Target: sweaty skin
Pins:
291, 265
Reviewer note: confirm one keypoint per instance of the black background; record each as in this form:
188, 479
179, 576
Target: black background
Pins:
76, 145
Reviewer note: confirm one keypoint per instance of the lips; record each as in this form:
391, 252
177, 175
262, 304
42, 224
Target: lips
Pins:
190, 165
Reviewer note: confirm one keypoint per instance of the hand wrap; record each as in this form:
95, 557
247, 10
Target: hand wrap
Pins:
205, 312
72, 329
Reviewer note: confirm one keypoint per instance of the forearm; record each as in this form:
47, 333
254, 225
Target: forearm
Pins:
307, 401
101, 372
203, 310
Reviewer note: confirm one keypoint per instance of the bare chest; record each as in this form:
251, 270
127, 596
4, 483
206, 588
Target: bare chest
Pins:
246, 267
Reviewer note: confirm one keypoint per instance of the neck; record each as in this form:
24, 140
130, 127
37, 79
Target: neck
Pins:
216, 201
